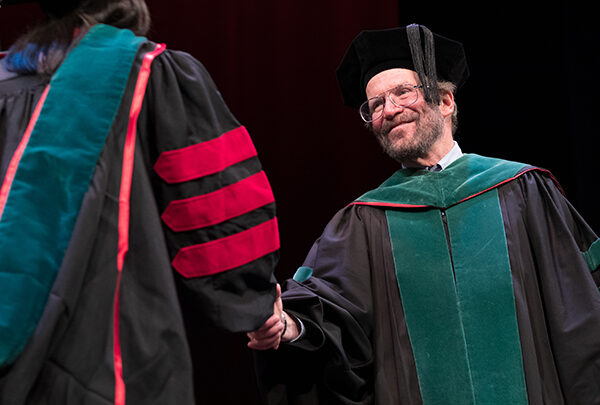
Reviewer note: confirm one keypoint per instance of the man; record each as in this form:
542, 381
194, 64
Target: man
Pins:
462, 279
125, 181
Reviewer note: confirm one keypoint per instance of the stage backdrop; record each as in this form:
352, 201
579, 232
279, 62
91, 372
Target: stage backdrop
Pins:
532, 97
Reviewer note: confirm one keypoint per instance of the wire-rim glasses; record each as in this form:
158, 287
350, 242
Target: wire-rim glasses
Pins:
400, 96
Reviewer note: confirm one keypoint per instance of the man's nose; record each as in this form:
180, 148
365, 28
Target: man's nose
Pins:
390, 109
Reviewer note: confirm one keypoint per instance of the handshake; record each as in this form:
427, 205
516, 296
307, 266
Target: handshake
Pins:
280, 327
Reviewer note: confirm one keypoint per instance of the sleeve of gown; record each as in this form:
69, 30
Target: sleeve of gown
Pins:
331, 295
566, 252
216, 204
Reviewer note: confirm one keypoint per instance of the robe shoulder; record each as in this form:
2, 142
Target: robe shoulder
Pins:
347, 296
465, 178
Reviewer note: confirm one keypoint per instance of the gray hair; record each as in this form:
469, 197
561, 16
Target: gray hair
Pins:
449, 87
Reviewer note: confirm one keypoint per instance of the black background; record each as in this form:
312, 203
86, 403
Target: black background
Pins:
532, 97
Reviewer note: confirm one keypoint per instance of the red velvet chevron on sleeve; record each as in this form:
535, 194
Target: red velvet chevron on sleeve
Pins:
209, 209
255, 236
229, 252
205, 158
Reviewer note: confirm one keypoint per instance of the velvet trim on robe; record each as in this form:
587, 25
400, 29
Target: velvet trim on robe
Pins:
357, 348
52, 175
69, 357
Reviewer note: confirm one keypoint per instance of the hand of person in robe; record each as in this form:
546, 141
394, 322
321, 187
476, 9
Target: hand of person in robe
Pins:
272, 332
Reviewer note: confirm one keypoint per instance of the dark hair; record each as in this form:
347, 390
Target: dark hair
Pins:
44, 47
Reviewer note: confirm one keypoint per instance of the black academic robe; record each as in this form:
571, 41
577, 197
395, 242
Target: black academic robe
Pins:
197, 193
358, 347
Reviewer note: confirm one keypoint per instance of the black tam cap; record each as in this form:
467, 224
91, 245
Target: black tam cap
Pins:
54, 8
412, 47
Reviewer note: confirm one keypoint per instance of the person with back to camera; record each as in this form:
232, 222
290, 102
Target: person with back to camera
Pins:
125, 180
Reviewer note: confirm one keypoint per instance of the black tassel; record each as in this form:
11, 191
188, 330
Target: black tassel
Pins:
424, 62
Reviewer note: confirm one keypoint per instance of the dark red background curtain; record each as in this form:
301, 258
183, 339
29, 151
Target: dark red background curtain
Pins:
532, 97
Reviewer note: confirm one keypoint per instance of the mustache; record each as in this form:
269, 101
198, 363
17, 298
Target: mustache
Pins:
387, 126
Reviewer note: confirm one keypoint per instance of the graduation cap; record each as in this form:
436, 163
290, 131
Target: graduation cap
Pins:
412, 47
54, 8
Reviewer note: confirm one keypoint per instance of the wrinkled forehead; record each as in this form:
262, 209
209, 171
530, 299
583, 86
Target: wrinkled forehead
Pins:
389, 78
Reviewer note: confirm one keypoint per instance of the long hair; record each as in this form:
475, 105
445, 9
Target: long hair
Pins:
42, 49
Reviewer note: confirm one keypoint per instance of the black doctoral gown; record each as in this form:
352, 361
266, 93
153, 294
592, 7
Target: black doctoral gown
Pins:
135, 183
474, 285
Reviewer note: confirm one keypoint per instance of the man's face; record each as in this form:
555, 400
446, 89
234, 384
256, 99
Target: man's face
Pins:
405, 133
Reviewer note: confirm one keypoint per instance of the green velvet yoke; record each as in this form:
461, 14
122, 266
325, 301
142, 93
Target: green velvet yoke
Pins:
453, 272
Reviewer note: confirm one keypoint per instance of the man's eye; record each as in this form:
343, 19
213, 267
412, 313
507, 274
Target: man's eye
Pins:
376, 104
401, 91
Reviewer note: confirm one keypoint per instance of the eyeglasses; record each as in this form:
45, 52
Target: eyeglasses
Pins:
400, 96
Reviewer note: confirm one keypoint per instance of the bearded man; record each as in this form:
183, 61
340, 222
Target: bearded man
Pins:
462, 279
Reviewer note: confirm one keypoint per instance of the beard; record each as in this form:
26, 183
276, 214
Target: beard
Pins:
428, 129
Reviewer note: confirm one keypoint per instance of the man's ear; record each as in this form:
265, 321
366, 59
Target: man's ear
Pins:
447, 103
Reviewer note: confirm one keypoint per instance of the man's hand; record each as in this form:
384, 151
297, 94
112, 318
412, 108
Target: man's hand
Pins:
269, 335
